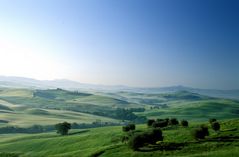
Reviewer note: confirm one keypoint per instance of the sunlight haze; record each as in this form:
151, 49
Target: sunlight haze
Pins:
135, 43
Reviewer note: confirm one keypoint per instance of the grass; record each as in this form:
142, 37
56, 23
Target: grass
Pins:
23, 107
26, 107
105, 142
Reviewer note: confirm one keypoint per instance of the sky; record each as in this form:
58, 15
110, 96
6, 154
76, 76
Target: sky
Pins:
143, 43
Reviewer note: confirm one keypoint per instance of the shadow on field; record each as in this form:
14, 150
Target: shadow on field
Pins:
223, 139
163, 146
78, 132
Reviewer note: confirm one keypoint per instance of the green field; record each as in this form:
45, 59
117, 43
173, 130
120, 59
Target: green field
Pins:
27, 107
105, 142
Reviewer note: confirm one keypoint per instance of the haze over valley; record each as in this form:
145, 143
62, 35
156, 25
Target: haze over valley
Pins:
119, 78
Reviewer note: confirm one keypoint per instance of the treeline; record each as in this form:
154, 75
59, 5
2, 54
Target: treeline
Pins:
124, 114
32, 129
48, 128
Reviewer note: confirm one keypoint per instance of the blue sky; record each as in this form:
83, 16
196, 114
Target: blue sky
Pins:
146, 43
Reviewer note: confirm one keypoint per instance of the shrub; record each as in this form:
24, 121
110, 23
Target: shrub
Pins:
173, 121
150, 122
215, 126
200, 133
184, 123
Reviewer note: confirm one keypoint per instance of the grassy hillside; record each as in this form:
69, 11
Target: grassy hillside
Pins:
105, 142
25, 107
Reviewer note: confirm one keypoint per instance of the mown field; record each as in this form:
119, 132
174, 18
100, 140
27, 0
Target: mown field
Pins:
106, 142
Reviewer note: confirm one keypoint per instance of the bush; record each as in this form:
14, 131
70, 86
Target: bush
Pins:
200, 133
184, 123
150, 122
173, 121
215, 126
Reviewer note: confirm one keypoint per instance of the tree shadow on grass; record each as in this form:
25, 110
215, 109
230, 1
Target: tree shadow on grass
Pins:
166, 146
78, 132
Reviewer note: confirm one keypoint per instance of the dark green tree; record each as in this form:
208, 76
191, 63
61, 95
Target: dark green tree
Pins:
173, 121
184, 123
131, 126
215, 126
150, 122
211, 120
125, 128
63, 128
200, 133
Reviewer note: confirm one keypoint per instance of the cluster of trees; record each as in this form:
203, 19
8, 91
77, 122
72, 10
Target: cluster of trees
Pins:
202, 131
47, 128
161, 123
124, 114
32, 129
149, 137
137, 139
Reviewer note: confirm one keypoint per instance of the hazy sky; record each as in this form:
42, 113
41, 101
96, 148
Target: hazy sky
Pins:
122, 42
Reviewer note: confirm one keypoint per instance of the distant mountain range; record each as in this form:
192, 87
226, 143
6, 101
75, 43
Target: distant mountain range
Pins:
21, 82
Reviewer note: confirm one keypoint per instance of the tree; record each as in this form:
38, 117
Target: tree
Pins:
211, 120
184, 123
125, 128
154, 135
137, 141
63, 128
131, 126
150, 122
215, 126
200, 133
173, 121
128, 127
149, 137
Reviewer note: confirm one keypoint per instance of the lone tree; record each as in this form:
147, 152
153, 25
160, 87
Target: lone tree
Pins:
215, 126
184, 123
63, 128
